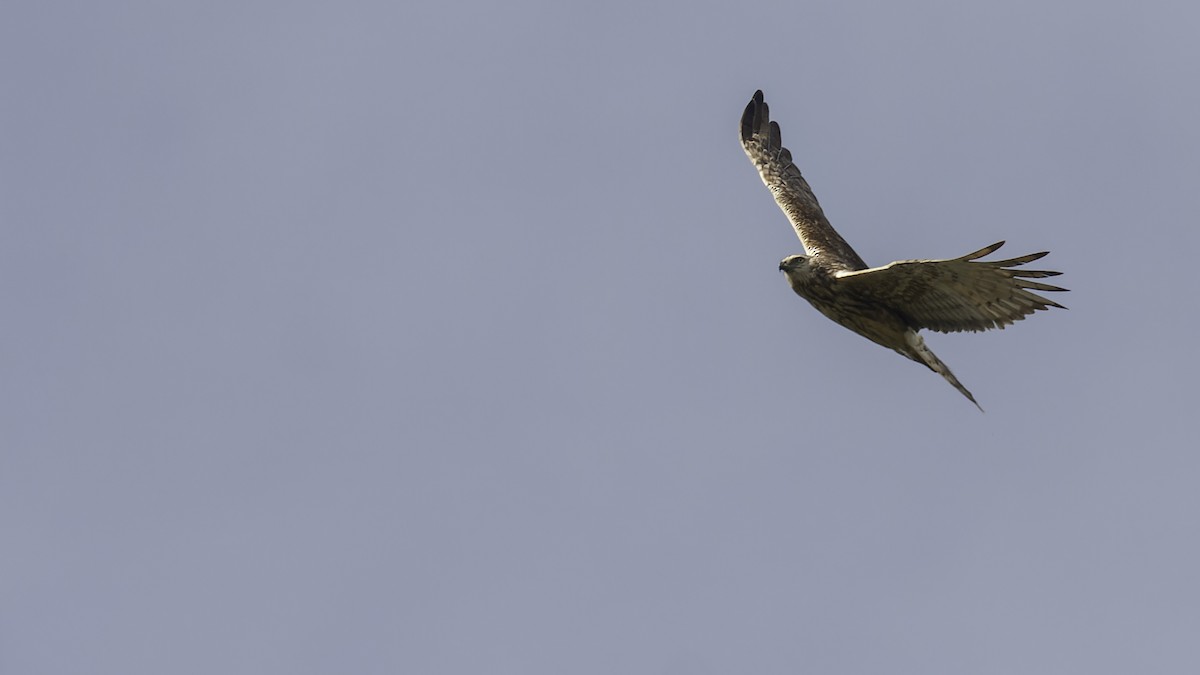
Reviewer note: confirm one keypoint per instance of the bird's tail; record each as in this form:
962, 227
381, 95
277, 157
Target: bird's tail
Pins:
926, 356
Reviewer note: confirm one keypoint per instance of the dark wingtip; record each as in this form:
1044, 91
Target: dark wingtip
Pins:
755, 111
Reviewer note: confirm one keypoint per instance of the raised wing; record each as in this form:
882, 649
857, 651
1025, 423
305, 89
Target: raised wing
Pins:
961, 294
761, 140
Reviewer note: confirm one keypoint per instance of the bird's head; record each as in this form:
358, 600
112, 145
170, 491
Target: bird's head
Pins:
793, 263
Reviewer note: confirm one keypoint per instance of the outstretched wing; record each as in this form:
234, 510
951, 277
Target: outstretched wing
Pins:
760, 138
954, 295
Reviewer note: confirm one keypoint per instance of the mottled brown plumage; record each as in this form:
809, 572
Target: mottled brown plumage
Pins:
890, 304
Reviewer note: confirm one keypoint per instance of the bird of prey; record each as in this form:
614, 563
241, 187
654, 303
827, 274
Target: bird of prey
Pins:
888, 305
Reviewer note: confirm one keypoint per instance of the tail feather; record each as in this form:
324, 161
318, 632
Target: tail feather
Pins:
926, 356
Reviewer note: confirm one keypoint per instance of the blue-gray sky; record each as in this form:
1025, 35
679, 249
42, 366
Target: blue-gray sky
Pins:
448, 338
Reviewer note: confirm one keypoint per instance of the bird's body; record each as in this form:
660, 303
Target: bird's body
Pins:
818, 284
888, 305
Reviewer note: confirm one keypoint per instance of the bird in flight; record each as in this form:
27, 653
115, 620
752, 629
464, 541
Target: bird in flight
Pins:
888, 305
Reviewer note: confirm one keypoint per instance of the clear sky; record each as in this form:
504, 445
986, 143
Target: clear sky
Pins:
406, 337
